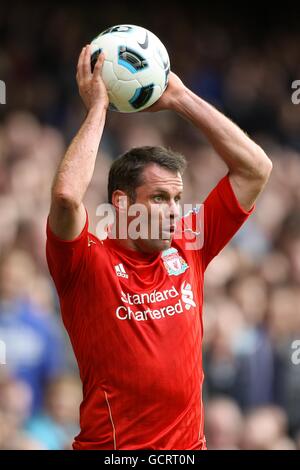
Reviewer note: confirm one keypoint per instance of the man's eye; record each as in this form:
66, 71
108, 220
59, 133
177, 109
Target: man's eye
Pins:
158, 199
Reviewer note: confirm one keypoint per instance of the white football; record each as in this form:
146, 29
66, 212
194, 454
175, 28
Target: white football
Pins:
136, 66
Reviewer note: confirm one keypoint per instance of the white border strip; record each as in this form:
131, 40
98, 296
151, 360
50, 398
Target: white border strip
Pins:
111, 420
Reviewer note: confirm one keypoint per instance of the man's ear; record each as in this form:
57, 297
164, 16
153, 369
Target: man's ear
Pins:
120, 201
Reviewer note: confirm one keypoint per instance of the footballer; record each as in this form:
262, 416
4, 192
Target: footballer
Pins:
133, 306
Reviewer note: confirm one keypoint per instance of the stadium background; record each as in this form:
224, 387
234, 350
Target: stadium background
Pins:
241, 60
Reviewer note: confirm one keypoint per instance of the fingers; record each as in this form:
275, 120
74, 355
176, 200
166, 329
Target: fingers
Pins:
79, 65
86, 65
83, 66
98, 66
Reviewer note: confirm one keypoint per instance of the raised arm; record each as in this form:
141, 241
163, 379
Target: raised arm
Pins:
249, 167
67, 214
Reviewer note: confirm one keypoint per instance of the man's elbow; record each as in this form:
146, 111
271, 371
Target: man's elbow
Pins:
65, 200
264, 166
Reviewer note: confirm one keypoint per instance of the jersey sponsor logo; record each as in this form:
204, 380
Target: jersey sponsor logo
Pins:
183, 299
120, 271
173, 262
187, 295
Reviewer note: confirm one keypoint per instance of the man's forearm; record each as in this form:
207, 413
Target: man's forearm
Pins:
76, 169
238, 151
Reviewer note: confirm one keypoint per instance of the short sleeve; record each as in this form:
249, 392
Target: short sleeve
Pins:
66, 258
223, 216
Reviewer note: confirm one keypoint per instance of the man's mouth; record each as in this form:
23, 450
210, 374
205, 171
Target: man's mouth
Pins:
168, 231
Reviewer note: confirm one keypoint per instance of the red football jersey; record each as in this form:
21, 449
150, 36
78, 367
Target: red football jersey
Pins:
135, 324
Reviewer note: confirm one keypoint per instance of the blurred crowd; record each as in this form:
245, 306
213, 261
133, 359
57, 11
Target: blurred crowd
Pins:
252, 289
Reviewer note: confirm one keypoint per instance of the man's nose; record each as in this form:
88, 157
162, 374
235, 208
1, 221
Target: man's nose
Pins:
174, 209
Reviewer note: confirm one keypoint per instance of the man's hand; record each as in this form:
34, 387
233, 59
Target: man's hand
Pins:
91, 86
169, 97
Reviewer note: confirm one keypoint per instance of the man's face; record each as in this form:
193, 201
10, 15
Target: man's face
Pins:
160, 194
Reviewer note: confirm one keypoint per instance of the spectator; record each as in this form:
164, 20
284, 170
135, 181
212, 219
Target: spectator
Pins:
265, 429
56, 427
34, 347
15, 405
224, 424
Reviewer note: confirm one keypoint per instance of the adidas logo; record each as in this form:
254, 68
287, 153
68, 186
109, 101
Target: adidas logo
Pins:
120, 270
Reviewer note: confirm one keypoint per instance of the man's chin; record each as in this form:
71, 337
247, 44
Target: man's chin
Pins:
165, 243
156, 245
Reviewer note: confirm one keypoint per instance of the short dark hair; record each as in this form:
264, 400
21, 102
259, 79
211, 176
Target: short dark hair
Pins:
126, 171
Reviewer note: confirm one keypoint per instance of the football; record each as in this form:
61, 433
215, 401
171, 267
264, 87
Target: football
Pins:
136, 66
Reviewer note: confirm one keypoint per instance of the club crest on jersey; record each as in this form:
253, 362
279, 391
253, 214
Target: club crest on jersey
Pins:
173, 262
